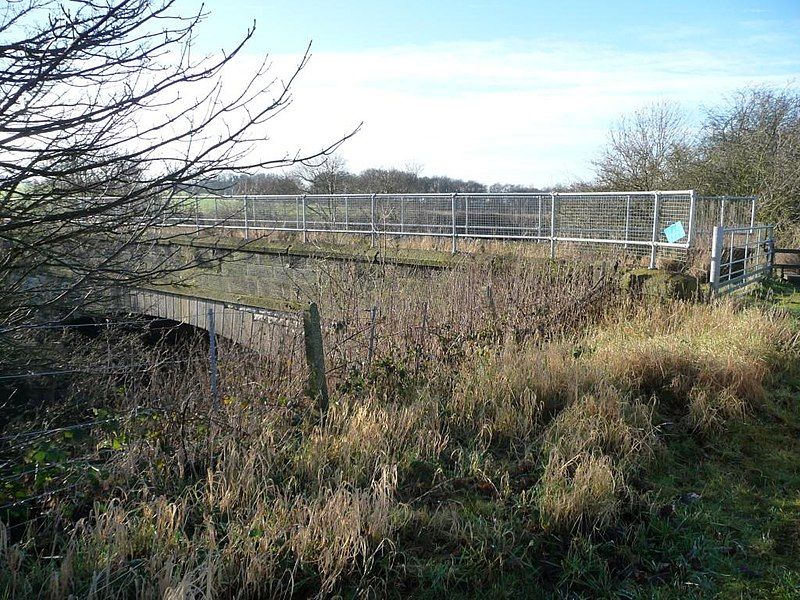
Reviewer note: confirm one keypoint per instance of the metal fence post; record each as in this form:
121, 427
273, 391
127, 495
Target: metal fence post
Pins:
402, 213
372, 220
552, 225
466, 215
752, 211
627, 219
315, 357
539, 219
297, 212
730, 254
716, 257
770, 249
305, 230
346, 214
692, 217
654, 238
197, 213
246, 224
212, 357
453, 216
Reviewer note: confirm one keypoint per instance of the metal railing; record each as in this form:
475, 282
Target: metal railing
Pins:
654, 223
740, 256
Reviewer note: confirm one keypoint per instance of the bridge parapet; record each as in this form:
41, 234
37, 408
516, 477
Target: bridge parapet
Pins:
288, 332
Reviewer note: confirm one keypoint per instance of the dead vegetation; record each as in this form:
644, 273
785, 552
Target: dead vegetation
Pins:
484, 434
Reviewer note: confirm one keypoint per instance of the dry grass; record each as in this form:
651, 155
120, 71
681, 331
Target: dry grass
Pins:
712, 359
580, 491
360, 435
474, 408
426, 318
512, 392
592, 447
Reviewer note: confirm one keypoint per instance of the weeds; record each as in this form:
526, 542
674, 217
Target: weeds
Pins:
486, 449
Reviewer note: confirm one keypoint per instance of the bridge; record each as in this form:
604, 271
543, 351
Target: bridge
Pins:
287, 332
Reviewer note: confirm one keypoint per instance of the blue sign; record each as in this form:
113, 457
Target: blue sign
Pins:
675, 232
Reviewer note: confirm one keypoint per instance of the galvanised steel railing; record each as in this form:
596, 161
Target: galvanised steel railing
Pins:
656, 223
740, 256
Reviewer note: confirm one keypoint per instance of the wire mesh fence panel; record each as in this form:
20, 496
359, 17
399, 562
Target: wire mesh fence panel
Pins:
359, 213
672, 226
282, 213
591, 218
726, 211
672, 209
417, 214
320, 213
663, 224
508, 216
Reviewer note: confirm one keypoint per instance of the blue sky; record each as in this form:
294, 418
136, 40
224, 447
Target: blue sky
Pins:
520, 92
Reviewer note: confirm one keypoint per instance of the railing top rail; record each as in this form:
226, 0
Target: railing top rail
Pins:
283, 306
609, 194
189, 196
446, 194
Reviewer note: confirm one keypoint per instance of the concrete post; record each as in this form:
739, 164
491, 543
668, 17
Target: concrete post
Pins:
212, 358
315, 357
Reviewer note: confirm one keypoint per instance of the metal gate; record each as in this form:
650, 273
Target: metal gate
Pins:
740, 256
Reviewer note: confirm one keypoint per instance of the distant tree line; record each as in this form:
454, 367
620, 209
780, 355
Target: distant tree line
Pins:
331, 176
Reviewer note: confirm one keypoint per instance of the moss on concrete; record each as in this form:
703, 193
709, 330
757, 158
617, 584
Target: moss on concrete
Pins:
660, 283
322, 250
218, 296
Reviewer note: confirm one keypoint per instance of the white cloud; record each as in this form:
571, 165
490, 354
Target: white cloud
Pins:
512, 111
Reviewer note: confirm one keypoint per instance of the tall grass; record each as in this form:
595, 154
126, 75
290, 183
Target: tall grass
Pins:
485, 425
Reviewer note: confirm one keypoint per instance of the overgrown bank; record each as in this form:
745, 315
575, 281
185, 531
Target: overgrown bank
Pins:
625, 459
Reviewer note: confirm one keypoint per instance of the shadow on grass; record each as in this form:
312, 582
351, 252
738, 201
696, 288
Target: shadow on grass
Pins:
733, 503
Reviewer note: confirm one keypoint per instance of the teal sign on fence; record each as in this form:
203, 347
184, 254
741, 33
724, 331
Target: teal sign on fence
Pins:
675, 232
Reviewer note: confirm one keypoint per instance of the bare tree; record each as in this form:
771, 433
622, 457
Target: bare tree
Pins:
648, 151
389, 181
106, 117
751, 146
326, 176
